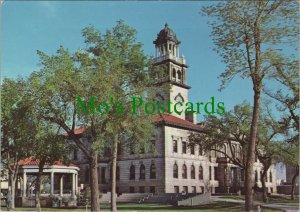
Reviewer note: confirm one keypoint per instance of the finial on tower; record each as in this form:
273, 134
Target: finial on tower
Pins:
166, 25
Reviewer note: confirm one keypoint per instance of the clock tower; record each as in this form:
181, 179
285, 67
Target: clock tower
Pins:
174, 67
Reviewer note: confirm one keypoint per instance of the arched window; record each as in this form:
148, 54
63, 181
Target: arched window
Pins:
200, 149
152, 171
118, 173
132, 172
192, 172
271, 177
200, 172
179, 76
174, 74
142, 172
175, 171
184, 171
256, 176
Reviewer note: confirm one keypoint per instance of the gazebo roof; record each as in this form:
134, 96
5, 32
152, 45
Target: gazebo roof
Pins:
31, 161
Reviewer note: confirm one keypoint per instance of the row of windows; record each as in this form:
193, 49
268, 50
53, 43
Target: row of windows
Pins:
142, 172
141, 189
193, 172
176, 75
185, 189
184, 148
237, 151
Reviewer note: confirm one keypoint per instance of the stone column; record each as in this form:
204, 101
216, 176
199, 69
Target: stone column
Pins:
76, 184
24, 184
73, 184
61, 185
52, 183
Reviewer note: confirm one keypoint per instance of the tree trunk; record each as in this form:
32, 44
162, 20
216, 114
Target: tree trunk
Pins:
95, 203
263, 183
251, 152
38, 186
294, 181
113, 176
13, 189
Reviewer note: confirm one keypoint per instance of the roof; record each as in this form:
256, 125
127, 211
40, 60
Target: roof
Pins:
35, 162
166, 34
166, 119
177, 122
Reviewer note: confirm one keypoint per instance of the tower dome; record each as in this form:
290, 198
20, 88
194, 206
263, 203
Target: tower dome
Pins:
166, 34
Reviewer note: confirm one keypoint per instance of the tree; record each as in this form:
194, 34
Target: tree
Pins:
249, 36
269, 146
130, 73
49, 146
232, 129
16, 128
287, 102
93, 89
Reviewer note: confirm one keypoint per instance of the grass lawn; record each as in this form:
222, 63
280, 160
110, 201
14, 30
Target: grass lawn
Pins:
215, 206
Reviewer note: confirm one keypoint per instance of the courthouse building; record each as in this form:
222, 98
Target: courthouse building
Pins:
174, 166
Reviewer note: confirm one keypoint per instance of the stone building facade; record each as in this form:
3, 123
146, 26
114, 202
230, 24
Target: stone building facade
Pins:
174, 166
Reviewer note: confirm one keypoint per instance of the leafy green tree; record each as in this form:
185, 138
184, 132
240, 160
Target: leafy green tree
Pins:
48, 147
290, 155
75, 90
269, 146
232, 129
287, 103
249, 36
16, 128
127, 72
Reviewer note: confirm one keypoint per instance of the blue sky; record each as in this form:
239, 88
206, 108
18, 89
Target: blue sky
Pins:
31, 26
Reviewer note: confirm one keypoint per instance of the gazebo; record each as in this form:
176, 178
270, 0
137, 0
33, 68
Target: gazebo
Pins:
59, 183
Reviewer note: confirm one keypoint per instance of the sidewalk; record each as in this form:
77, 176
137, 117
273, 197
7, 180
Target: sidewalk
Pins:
287, 208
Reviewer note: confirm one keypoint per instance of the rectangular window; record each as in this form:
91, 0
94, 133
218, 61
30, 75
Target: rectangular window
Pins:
192, 149
131, 149
175, 146
210, 173
185, 189
103, 180
194, 189
75, 154
243, 175
215, 173
184, 147
152, 148
87, 175
141, 189
152, 189
119, 152
176, 189
202, 189
131, 189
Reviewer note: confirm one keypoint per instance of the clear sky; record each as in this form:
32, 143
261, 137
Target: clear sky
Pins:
31, 26
44, 25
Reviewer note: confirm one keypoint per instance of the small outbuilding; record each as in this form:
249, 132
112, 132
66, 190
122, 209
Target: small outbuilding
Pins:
59, 186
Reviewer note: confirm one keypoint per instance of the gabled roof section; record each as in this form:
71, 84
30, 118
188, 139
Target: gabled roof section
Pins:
174, 121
